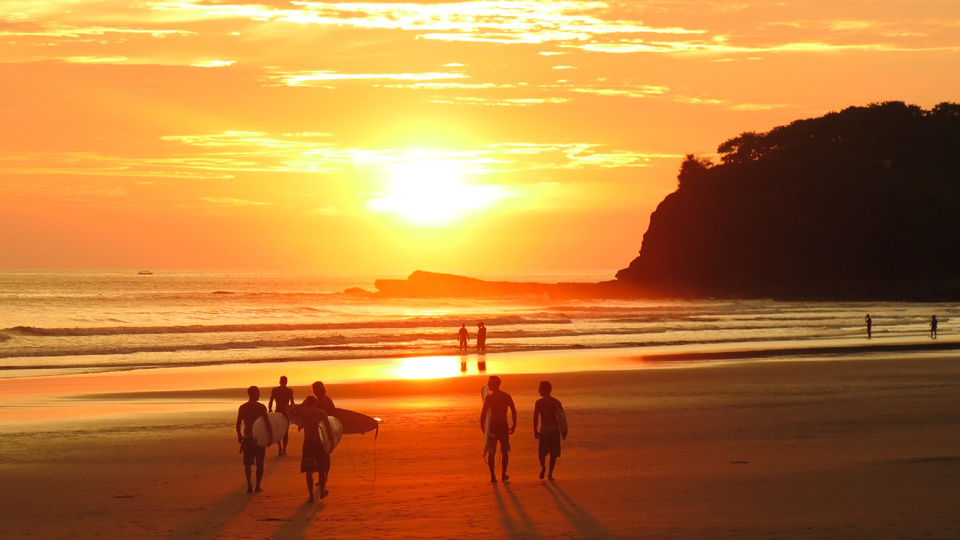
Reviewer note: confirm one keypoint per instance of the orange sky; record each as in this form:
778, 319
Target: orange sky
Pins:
470, 137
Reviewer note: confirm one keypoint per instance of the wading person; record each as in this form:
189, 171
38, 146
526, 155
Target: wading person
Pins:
548, 410
497, 404
252, 452
283, 397
462, 336
481, 337
869, 322
315, 458
933, 327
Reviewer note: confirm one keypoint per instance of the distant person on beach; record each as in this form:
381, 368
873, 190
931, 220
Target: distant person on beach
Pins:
497, 403
548, 409
283, 396
252, 452
481, 337
315, 458
462, 336
933, 327
869, 322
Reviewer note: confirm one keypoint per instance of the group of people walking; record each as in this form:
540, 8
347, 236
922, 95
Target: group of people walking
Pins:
549, 427
312, 415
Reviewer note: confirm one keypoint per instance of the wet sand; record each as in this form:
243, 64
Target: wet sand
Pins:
863, 447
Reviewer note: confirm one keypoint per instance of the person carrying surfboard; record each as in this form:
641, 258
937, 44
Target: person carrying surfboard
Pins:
283, 397
497, 403
315, 458
252, 452
550, 411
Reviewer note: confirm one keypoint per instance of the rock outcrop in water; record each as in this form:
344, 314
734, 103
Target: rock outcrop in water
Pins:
862, 203
422, 284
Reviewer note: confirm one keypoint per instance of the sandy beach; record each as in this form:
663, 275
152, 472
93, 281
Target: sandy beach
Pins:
864, 447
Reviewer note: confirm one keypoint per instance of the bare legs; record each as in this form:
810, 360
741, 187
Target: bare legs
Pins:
247, 470
504, 461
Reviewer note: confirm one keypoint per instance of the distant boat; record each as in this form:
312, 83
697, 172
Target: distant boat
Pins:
144, 273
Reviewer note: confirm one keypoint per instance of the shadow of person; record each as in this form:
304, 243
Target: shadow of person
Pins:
214, 519
295, 527
513, 529
586, 525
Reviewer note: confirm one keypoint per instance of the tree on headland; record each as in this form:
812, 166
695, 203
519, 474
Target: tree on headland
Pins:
864, 202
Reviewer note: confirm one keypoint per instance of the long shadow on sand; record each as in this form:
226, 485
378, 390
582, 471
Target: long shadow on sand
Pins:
515, 529
296, 526
586, 526
214, 519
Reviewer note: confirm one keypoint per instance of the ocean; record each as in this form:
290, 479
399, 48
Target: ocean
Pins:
59, 322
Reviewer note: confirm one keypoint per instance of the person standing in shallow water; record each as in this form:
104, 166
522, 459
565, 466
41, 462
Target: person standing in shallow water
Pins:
481, 337
933, 327
283, 396
462, 336
252, 452
497, 403
547, 409
869, 322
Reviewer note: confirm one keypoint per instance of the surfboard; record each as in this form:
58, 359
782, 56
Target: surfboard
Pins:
279, 425
331, 440
484, 392
355, 423
562, 420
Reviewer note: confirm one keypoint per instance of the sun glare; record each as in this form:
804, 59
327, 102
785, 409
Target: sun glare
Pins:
434, 193
436, 367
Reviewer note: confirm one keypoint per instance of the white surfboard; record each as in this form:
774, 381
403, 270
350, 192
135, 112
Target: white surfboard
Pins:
331, 440
562, 422
279, 425
484, 392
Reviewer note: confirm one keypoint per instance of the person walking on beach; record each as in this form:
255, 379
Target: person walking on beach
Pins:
315, 458
481, 337
869, 322
282, 396
323, 400
933, 327
497, 404
462, 336
548, 409
252, 452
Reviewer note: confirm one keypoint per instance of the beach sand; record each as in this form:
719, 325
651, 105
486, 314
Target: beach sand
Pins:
863, 447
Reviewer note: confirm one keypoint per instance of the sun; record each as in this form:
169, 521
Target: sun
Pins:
434, 193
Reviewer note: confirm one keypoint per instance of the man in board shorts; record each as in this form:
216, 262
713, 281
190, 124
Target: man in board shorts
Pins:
283, 396
315, 458
497, 403
252, 452
547, 409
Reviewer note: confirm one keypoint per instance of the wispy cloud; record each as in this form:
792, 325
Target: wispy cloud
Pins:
311, 77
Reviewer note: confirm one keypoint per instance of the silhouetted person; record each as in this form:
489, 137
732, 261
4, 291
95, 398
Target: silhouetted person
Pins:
315, 458
283, 396
323, 400
869, 322
252, 452
462, 336
547, 409
497, 403
933, 327
481, 337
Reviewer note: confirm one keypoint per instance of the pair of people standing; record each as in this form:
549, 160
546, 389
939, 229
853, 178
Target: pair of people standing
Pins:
547, 410
463, 335
312, 414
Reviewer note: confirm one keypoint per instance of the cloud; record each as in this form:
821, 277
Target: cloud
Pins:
230, 201
308, 78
